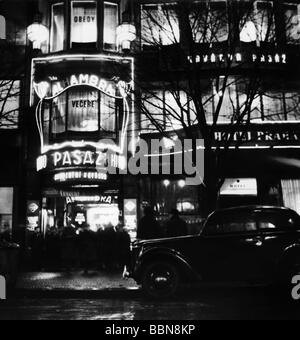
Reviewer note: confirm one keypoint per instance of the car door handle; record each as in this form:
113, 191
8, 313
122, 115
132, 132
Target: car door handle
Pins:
255, 241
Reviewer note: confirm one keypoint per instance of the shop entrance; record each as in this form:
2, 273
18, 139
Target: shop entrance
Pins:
81, 231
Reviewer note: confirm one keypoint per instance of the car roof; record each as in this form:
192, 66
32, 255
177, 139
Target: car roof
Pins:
251, 208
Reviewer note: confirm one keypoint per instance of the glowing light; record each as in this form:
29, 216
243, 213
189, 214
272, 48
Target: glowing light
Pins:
166, 183
126, 34
41, 89
37, 34
181, 183
249, 32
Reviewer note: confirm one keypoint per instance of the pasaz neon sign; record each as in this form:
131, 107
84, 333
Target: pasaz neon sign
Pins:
80, 158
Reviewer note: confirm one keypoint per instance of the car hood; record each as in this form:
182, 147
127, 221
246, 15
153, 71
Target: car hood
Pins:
162, 241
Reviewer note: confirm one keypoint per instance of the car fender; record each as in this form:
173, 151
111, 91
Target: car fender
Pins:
160, 253
289, 254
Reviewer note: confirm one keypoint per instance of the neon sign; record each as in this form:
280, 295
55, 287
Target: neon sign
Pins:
76, 158
111, 75
79, 175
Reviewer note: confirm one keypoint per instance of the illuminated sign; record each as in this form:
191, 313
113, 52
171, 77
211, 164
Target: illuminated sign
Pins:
93, 199
113, 76
238, 58
239, 187
79, 175
264, 134
84, 158
33, 213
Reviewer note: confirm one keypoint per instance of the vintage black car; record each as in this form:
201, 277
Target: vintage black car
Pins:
257, 245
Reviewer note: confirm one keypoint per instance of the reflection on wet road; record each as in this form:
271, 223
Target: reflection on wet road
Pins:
202, 305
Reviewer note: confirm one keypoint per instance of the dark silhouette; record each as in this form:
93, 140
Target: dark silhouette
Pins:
69, 250
88, 248
148, 227
123, 247
176, 226
109, 238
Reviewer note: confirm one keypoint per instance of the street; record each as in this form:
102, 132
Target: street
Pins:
205, 304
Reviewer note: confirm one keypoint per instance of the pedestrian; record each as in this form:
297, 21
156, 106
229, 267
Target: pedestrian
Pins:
88, 248
123, 247
69, 247
148, 227
176, 226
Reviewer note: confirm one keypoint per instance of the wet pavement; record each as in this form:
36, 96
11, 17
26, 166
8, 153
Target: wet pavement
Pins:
202, 304
77, 281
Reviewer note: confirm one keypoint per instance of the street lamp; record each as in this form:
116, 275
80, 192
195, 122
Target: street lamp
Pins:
37, 33
126, 33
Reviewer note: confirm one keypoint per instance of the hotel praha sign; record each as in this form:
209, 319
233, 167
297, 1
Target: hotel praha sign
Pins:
273, 134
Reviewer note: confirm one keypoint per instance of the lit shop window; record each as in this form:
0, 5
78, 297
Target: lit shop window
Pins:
84, 22
159, 25
111, 21
57, 28
83, 110
292, 12
2, 28
291, 194
6, 210
209, 22
9, 104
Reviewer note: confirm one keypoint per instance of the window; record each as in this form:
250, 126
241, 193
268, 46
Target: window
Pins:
291, 194
166, 110
159, 25
264, 21
209, 22
111, 21
107, 114
230, 224
292, 23
6, 210
152, 111
258, 24
277, 220
84, 23
9, 104
2, 28
59, 106
229, 107
292, 105
83, 110
57, 28
273, 106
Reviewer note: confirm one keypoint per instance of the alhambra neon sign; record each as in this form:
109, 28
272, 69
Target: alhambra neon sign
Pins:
43, 88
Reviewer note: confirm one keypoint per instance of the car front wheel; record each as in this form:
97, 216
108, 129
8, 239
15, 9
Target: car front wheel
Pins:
160, 279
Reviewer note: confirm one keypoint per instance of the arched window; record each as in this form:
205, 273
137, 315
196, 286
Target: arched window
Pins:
2, 28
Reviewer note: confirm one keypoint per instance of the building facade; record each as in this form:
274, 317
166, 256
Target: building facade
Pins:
92, 78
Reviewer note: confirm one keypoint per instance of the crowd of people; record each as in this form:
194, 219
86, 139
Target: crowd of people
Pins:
71, 248
149, 228
107, 249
